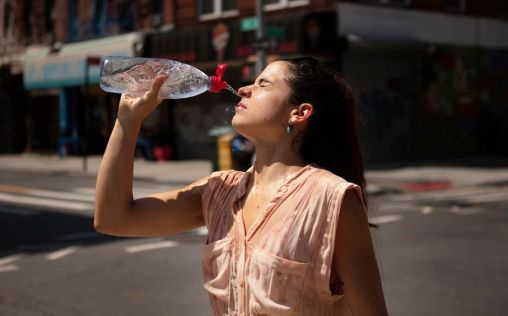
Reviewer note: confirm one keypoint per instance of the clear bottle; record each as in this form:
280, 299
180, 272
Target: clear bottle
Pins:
134, 75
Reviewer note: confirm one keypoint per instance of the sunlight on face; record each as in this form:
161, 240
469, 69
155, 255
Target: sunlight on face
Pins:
263, 111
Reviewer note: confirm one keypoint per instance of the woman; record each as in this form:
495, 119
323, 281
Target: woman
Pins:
288, 237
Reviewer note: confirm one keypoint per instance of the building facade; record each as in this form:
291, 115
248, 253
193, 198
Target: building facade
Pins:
431, 75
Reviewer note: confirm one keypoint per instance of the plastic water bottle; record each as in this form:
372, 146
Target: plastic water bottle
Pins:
135, 75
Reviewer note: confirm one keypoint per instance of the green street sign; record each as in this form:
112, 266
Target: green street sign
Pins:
249, 24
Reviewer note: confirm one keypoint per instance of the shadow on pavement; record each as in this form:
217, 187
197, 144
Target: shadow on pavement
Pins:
31, 230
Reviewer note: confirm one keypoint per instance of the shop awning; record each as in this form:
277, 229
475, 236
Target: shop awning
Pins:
377, 24
46, 69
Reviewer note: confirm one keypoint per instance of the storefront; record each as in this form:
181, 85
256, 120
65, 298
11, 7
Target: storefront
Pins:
64, 101
429, 83
206, 45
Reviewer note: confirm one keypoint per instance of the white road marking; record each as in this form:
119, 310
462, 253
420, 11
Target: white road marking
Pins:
10, 267
62, 195
61, 253
490, 197
201, 231
386, 219
10, 259
426, 210
464, 211
84, 190
471, 195
397, 207
151, 246
44, 202
137, 192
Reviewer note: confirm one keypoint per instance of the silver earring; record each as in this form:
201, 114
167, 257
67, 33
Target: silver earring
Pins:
289, 128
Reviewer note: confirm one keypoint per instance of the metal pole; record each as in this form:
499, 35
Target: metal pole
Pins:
260, 34
84, 140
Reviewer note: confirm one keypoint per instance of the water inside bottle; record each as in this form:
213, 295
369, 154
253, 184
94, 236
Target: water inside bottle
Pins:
230, 88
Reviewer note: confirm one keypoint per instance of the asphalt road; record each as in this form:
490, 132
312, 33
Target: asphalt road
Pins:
440, 253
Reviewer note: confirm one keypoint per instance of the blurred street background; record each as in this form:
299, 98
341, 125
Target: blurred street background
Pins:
431, 81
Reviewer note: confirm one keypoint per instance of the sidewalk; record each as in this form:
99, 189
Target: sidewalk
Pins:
175, 172
394, 178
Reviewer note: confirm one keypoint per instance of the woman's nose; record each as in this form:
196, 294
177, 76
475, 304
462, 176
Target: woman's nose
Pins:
244, 91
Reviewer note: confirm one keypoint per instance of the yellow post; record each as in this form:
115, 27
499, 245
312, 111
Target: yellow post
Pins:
224, 155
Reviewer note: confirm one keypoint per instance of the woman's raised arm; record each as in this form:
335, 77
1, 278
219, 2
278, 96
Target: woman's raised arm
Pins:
116, 212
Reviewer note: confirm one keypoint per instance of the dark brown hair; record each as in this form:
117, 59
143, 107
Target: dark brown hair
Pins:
331, 139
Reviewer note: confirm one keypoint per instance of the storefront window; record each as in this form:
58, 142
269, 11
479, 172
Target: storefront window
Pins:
281, 4
214, 9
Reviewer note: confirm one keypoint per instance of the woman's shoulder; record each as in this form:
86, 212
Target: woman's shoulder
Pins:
327, 178
225, 177
326, 184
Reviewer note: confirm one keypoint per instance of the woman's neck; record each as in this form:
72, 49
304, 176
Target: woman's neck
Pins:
275, 163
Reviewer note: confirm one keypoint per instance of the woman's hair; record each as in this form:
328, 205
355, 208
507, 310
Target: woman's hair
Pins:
330, 140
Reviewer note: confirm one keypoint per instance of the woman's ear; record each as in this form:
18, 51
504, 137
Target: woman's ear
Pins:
301, 114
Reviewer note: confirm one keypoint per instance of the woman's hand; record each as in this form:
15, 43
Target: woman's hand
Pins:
136, 109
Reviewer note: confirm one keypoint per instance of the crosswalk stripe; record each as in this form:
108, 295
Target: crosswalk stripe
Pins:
385, 219
151, 246
426, 210
472, 195
61, 195
61, 253
10, 259
10, 267
45, 202
137, 192
201, 231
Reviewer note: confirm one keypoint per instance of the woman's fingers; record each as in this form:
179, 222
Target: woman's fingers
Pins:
156, 86
138, 108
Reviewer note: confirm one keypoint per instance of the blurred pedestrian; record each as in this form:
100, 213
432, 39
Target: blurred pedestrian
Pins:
289, 236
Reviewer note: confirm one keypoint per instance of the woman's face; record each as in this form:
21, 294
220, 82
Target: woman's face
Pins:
263, 112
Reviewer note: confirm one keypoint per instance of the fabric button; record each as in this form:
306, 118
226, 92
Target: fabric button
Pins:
284, 189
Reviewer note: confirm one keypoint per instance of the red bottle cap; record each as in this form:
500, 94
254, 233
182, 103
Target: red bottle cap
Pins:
216, 82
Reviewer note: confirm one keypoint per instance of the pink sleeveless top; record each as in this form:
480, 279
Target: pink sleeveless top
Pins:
283, 264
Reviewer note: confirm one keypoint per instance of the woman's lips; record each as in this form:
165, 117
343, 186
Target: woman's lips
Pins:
241, 106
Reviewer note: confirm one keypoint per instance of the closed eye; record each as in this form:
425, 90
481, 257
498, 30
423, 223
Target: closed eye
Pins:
263, 82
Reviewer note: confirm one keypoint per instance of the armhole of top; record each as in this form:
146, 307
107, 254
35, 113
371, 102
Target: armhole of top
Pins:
336, 222
327, 246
